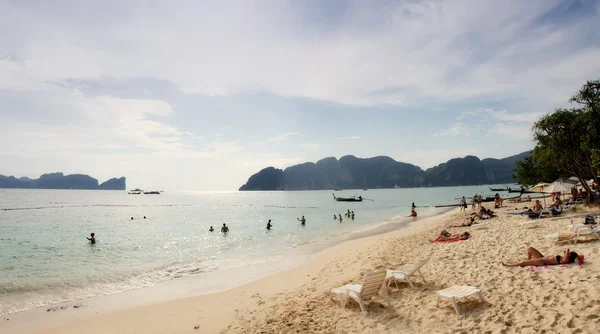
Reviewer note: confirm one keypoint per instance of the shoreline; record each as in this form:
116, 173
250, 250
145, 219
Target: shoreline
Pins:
198, 285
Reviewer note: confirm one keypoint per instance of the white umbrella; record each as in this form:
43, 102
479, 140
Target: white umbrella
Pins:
538, 188
557, 187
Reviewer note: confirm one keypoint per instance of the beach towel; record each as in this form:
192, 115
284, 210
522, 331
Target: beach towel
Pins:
448, 241
555, 267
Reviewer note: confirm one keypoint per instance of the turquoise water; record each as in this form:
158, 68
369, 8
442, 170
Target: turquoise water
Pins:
45, 257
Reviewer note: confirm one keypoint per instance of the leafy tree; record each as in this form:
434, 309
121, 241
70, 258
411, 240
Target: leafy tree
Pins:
529, 172
589, 97
559, 138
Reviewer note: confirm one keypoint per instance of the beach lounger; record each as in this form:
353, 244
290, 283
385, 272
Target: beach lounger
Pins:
373, 283
459, 292
404, 273
587, 230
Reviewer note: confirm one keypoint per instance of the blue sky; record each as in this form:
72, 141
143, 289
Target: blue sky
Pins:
198, 95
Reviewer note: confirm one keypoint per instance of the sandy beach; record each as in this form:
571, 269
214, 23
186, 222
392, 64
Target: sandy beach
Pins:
518, 300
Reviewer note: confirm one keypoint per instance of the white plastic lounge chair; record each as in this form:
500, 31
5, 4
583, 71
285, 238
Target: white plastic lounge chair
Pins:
404, 273
586, 230
459, 292
373, 282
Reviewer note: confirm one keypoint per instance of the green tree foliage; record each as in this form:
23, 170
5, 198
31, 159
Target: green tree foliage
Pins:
567, 142
529, 172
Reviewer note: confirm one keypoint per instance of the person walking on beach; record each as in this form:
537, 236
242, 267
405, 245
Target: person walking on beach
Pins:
463, 204
224, 229
269, 225
92, 239
211, 229
479, 201
302, 221
473, 201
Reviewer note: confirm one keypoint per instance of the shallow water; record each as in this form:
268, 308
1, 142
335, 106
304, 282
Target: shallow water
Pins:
45, 257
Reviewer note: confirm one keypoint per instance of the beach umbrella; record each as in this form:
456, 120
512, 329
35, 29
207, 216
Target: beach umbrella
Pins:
538, 188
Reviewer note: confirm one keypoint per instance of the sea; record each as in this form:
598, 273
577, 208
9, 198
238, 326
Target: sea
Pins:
141, 240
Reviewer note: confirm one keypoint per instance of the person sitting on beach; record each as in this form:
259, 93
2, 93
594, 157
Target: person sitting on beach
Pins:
302, 221
211, 229
92, 239
447, 236
498, 201
269, 225
537, 207
413, 213
224, 229
468, 224
535, 258
557, 203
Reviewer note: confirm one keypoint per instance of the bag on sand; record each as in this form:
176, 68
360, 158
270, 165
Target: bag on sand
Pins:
590, 220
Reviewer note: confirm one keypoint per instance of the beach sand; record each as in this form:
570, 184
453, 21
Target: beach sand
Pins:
518, 300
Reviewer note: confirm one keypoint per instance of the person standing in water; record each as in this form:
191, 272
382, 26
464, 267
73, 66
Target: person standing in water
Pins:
211, 229
463, 204
302, 221
340, 217
334, 217
352, 215
92, 239
413, 207
224, 229
269, 225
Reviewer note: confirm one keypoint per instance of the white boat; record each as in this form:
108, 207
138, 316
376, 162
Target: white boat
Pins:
135, 191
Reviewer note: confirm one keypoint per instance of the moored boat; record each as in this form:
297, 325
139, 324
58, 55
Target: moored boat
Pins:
152, 193
135, 191
498, 189
348, 199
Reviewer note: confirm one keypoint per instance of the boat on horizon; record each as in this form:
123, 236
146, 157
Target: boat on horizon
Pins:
154, 192
135, 191
499, 189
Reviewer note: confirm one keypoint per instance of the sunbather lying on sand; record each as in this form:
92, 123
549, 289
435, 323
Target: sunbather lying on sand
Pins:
469, 223
535, 258
447, 236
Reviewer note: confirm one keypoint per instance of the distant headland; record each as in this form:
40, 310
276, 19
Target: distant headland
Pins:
61, 181
350, 172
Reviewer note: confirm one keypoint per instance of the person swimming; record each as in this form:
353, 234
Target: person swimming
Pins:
269, 225
302, 221
224, 229
92, 239
334, 217
144, 217
211, 229
131, 218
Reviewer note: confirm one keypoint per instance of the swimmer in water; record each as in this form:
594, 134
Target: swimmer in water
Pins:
92, 239
224, 229
131, 218
334, 217
269, 225
340, 217
302, 221
211, 229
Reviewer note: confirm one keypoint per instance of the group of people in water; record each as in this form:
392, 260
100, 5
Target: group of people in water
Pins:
349, 214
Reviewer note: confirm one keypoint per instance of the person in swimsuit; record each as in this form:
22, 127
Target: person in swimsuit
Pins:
352, 215
447, 236
340, 217
224, 229
92, 239
535, 258
463, 204
211, 229
471, 222
334, 217
413, 213
302, 221
269, 225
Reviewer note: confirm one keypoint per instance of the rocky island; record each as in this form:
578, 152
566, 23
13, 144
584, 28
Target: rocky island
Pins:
350, 172
61, 181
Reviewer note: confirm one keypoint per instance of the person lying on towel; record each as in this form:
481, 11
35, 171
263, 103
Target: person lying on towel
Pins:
535, 258
447, 236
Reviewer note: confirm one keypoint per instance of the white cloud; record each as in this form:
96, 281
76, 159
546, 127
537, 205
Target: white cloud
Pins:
374, 54
513, 132
348, 138
457, 129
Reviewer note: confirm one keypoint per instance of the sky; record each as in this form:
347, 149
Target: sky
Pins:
199, 95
